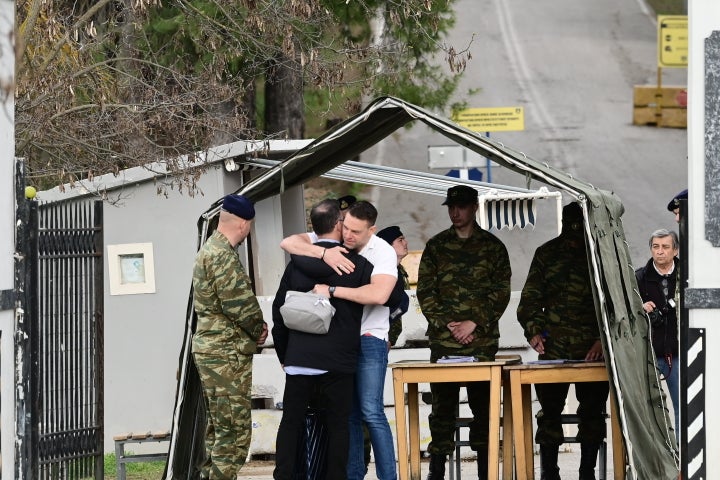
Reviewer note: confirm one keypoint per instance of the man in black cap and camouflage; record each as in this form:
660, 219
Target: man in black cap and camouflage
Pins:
557, 312
396, 239
229, 328
674, 204
463, 289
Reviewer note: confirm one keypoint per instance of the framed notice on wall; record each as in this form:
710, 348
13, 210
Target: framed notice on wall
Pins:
131, 268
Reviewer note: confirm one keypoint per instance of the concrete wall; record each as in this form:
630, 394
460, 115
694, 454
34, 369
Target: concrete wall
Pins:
143, 332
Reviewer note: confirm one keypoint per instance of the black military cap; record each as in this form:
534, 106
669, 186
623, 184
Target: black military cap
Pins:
675, 202
239, 205
346, 201
390, 234
572, 212
461, 195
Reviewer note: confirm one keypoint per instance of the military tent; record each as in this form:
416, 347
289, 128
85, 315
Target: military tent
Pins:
650, 445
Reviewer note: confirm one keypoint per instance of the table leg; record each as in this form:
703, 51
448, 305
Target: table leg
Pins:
528, 430
617, 444
414, 426
507, 430
401, 432
518, 425
494, 423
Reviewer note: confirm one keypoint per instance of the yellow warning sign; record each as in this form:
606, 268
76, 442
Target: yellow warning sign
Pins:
502, 119
672, 40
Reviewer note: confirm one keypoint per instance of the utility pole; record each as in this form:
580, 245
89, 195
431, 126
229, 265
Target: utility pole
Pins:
7, 236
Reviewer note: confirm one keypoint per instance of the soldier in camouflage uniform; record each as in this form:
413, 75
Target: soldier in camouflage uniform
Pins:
557, 312
229, 328
396, 239
463, 289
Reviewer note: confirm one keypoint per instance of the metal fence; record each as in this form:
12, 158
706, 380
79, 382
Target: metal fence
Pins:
67, 350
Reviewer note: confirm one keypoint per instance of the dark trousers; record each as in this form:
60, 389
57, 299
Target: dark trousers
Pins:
337, 393
445, 399
592, 397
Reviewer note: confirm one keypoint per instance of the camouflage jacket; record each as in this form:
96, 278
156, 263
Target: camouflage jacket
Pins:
229, 320
396, 324
558, 300
464, 279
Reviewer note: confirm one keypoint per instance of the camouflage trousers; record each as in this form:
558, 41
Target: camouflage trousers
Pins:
227, 385
445, 398
592, 397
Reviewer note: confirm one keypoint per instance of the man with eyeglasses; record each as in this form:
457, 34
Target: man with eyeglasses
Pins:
657, 281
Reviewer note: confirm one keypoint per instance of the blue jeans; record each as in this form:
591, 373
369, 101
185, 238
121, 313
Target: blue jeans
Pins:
673, 384
369, 407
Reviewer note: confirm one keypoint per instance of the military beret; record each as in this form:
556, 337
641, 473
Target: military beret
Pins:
675, 202
239, 205
461, 195
346, 201
390, 234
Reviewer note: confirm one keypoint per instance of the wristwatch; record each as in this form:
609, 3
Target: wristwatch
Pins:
332, 291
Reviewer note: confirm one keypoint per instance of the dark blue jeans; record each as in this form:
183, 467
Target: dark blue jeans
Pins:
369, 407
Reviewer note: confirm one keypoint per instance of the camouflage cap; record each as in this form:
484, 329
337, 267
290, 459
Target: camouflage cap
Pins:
461, 195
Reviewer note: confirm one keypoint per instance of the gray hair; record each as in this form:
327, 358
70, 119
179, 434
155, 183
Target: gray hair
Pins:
662, 233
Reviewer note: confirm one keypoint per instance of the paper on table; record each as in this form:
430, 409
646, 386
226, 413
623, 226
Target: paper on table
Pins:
550, 362
456, 359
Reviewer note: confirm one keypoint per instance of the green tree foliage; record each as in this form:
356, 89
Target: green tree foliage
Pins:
111, 84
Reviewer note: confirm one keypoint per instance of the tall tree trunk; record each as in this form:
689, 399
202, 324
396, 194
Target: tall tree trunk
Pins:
284, 112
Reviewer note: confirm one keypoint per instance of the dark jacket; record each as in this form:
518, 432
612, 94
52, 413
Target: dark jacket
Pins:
664, 335
337, 350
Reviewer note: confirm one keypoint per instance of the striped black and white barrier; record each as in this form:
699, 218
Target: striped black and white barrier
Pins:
695, 431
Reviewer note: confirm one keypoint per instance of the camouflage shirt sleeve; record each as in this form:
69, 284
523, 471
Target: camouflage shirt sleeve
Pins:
464, 279
229, 316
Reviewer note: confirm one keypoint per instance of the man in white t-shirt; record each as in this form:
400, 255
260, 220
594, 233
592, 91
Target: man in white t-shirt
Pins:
359, 234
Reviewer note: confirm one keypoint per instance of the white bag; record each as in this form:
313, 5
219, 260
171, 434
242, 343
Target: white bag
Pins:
307, 312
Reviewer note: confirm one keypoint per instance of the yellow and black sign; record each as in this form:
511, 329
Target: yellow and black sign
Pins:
502, 119
672, 40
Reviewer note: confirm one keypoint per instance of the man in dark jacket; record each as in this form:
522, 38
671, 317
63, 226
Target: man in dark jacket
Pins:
319, 362
557, 312
657, 282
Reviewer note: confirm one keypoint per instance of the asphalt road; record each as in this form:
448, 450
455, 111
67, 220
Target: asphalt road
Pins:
572, 66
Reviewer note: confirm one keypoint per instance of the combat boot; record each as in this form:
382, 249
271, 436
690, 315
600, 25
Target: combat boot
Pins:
437, 467
548, 462
482, 463
588, 459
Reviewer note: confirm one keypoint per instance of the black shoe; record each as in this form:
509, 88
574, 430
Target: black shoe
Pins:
437, 467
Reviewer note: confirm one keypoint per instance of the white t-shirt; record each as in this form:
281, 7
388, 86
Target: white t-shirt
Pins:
376, 318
